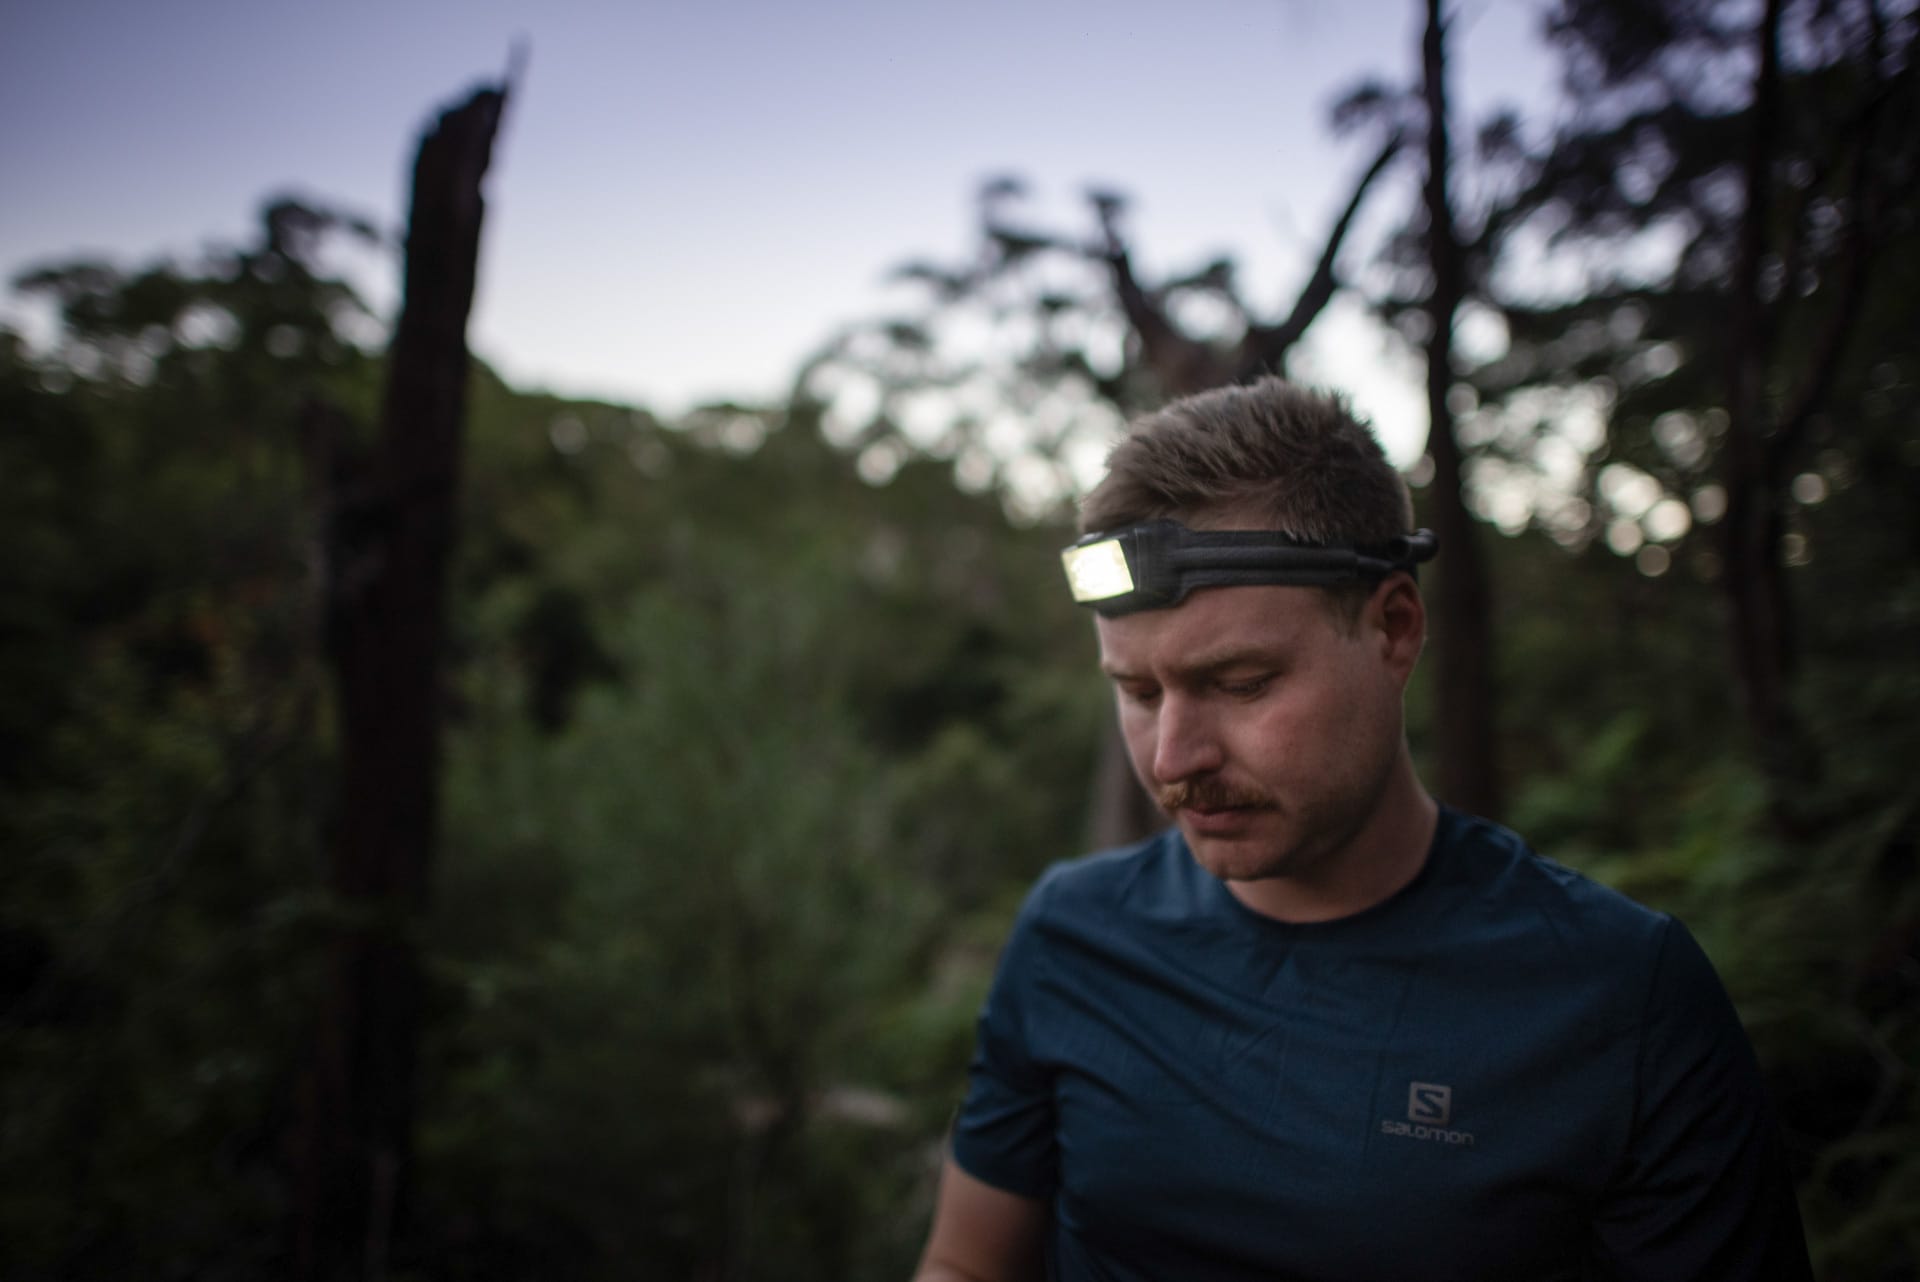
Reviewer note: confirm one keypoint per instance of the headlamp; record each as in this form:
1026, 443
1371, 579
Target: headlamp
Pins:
1154, 565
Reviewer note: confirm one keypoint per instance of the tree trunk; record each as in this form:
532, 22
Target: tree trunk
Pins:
387, 583
1468, 774
1759, 607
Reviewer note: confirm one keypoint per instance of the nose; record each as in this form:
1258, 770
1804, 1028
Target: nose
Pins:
1185, 741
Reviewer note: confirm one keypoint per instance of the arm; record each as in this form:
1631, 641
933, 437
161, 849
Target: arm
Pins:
991, 1226
982, 1234
1703, 1190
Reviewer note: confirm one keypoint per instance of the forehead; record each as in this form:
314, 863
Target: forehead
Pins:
1215, 625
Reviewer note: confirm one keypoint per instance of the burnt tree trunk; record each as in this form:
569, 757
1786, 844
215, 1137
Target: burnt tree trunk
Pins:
1467, 773
387, 573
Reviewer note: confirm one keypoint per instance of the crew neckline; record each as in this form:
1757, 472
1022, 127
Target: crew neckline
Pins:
1446, 825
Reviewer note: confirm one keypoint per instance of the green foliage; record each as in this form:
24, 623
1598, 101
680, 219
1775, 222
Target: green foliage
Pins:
685, 936
708, 930
157, 806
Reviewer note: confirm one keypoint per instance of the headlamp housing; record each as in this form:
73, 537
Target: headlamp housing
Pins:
1154, 565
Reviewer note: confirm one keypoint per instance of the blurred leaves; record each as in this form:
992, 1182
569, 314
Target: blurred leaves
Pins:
723, 717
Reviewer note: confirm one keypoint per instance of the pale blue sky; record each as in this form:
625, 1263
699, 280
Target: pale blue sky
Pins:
688, 197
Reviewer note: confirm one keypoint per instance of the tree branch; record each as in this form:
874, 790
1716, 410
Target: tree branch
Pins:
1266, 346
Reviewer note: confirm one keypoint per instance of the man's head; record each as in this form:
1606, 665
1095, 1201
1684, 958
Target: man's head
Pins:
1269, 724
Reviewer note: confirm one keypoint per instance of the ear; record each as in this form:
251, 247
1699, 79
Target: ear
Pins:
1396, 619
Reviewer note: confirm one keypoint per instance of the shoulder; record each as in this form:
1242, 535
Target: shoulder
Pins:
1501, 884
1118, 899
1150, 877
1077, 911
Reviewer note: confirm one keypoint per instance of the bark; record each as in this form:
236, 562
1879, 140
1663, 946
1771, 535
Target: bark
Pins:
1468, 773
390, 543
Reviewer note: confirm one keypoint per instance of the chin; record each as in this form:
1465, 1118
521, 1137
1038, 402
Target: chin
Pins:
1240, 860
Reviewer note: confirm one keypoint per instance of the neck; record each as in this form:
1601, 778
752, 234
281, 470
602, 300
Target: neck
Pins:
1385, 853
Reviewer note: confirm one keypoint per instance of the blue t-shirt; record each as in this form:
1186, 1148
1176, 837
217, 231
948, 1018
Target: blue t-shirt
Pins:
1503, 1071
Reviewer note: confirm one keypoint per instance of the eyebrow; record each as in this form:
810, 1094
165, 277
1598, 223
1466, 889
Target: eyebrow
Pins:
1206, 665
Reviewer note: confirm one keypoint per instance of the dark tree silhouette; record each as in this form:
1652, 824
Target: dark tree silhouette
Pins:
386, 626
1467, 771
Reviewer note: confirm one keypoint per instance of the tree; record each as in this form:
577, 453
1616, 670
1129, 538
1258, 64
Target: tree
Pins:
1466, 709
1759, 148
391, 545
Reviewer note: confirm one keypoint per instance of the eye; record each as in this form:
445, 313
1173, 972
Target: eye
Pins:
1246, 687
1136, 693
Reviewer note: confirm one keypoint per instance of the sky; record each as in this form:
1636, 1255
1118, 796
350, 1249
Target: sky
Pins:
688, 198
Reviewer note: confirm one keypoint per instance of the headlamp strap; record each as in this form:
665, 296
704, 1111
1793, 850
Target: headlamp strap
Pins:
1155, 564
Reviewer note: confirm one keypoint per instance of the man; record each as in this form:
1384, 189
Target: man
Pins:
1324, 1028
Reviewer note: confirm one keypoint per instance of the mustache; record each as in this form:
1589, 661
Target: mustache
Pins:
1208, 794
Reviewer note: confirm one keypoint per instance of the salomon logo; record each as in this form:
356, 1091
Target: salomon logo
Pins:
1430, 1104
1429, 1110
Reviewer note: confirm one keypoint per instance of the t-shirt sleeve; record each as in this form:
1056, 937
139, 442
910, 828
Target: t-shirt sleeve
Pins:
1702, 1191
1004, 1134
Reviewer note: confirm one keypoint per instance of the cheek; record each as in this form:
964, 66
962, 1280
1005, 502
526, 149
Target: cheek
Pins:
1313, 732
1136, 727
1368, 729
